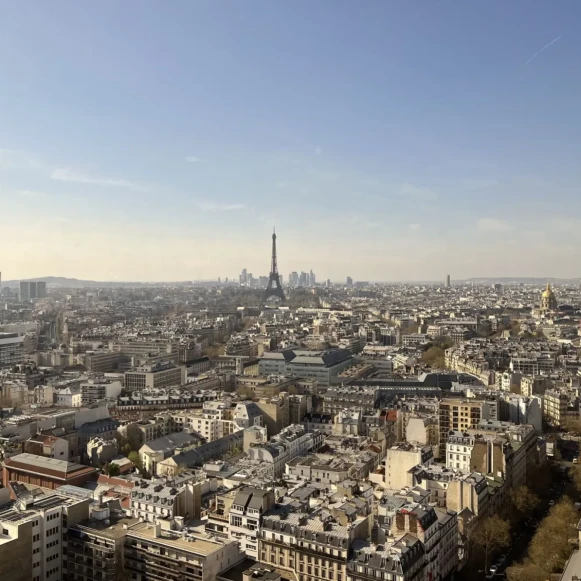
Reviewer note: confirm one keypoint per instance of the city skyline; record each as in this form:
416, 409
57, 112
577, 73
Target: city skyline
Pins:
162, 142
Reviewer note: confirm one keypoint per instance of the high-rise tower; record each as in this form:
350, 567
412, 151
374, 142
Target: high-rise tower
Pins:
274, 287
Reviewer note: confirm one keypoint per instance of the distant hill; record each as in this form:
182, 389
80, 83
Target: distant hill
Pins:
520, 279
64, 282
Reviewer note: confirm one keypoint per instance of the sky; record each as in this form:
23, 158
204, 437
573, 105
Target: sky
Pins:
386, 140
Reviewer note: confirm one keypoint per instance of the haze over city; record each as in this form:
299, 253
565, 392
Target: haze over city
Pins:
385, 141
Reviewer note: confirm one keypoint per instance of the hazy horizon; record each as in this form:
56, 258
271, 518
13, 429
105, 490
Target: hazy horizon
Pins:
386, 141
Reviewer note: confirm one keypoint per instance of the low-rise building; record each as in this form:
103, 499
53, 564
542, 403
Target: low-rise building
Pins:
46, 472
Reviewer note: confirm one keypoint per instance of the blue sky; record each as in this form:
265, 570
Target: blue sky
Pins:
393, 140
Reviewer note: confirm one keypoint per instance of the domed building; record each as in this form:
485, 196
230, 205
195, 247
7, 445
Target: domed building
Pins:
548, 300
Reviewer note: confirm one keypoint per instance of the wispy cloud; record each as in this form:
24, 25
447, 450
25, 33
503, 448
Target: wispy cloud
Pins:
418, 193
318, 150
543, 49
13, 159
69, 175
415, 227
31, 194
493, 225
193, 159
209, 207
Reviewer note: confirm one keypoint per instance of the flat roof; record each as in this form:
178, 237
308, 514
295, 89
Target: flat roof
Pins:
26, 461
192, 543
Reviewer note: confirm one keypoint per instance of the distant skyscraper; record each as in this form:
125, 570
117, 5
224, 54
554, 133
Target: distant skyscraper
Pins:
41, 289
349, 281
312, 279
328, 284
448, 283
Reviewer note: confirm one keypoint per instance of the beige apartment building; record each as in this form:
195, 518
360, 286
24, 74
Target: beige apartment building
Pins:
459, 414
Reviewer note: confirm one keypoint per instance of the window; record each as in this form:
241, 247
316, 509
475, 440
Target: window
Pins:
236, 521
5, 532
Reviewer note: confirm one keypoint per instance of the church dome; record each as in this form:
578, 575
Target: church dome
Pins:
548, 292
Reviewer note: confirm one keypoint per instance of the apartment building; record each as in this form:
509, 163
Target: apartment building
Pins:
158, 552
291, 442
437, 529
245, 517
151, 501
95, 548
275, 413
142, 348
96, 390
555, 403
459, 451
310, 546
459, 415
32, 535
156, 376
400, 459
397, 560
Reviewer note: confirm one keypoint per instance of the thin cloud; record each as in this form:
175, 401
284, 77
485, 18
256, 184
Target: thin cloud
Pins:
423, 194
193, 159
415, 226
68, 175
13, 159
493, 225
543, 49
209, 207
318, 150
31, 194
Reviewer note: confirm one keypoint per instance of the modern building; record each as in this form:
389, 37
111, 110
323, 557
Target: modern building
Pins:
158, 552
11, 349
555, 405
155, 376
321, 366
96, 390
459, 415
33, 545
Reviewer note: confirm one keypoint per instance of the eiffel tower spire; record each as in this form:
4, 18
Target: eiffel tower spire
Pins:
274, 288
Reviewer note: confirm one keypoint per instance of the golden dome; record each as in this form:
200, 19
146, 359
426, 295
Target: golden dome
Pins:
548, 292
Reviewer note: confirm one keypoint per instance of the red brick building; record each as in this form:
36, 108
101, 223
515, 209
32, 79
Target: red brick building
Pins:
46, 472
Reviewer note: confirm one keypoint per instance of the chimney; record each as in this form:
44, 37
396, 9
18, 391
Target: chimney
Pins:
157, 530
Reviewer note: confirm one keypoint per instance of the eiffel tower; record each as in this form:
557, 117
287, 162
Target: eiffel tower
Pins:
274, 288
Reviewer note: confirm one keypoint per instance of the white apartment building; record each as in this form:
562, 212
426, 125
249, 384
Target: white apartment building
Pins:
459, 451
32, 534
96, 390
245, 517
69, 397
293, 441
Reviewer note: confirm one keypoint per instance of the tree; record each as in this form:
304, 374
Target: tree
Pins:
491, 534
526, 571
113, 470
136, 459
550, 546
435, 357
573, 425
523, 500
